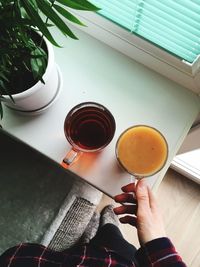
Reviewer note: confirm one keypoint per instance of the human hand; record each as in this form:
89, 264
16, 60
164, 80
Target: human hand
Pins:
144, 208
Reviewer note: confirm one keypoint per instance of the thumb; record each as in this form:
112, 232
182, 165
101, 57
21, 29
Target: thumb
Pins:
142, 194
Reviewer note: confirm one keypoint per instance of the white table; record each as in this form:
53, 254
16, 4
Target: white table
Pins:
92, 71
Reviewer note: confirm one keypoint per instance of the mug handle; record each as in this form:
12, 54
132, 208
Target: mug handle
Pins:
70, 158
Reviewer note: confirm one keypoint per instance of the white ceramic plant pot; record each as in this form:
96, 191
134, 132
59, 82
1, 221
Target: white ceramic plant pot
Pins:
39, 96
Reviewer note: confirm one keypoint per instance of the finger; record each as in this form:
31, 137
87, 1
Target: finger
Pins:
130, 209
124, 197
129, 219
129, 188
142, 195
152, 199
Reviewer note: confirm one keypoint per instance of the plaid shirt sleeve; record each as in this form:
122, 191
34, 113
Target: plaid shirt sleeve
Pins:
35, 255
159, 252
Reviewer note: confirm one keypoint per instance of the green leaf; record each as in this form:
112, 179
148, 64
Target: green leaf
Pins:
67, 15
2, 86
37, 56
46, 8
34, 3
49, 24
38, 63
34, 68
42, 81
3, 77
1, 111
37, 21
79, 4
25, 21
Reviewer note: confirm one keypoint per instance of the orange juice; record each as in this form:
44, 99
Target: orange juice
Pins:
142, 150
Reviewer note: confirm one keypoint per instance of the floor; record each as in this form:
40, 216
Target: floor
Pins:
179, 200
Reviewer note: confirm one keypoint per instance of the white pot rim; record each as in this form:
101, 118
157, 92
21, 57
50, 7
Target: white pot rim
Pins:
49, 104
35, 87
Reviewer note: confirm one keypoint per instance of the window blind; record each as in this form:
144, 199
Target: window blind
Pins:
173, 25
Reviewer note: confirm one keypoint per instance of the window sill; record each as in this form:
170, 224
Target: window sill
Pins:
180, 71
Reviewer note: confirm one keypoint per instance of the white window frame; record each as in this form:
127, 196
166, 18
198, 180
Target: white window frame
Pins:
181, 165
180, 71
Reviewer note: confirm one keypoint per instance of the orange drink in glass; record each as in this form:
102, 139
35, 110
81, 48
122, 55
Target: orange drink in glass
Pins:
142, 151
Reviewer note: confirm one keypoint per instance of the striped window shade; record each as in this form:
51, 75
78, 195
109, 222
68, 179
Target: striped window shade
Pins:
173, 25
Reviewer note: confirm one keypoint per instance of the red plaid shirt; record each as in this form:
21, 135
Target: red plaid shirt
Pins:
157, 253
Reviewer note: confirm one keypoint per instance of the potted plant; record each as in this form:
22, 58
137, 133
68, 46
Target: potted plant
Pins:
28, 76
